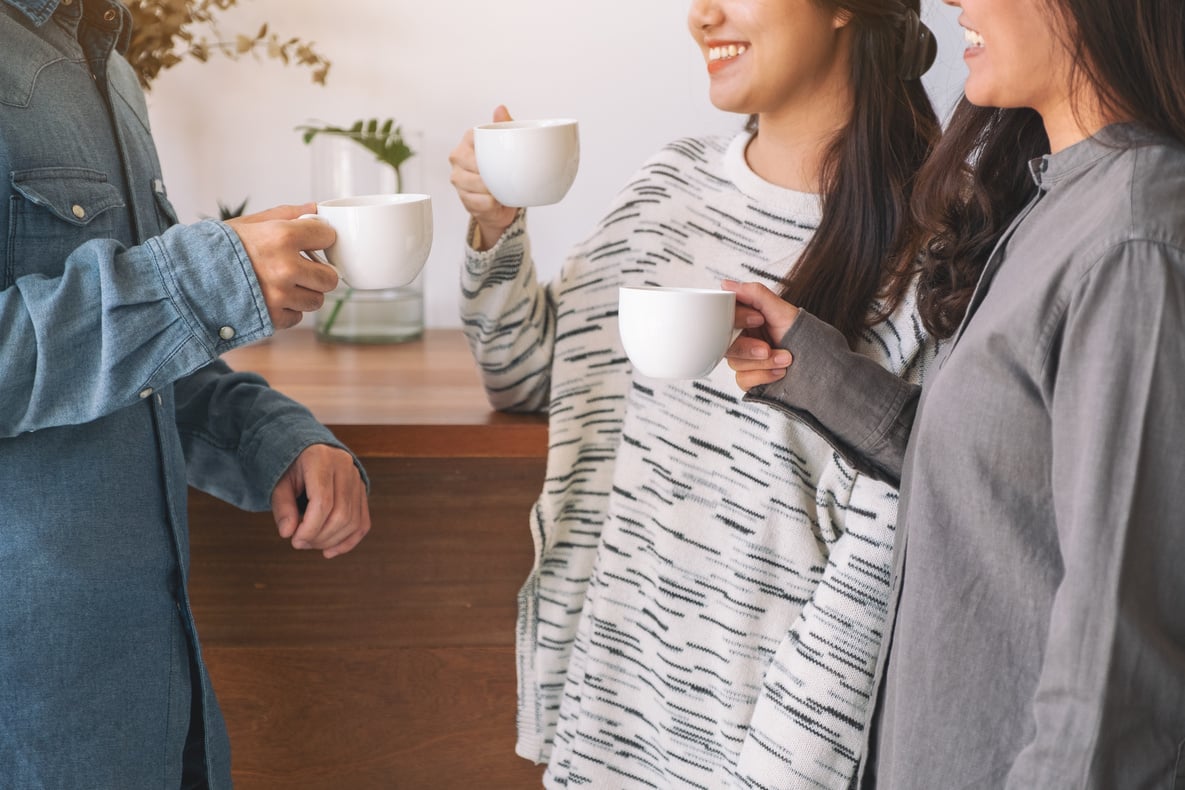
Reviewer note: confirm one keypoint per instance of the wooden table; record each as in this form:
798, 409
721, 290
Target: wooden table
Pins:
392, 666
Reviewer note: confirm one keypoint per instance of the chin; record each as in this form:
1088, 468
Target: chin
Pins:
727, 103
978, 95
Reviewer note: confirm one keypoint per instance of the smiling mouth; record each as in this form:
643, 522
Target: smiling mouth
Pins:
725, 52
973, 38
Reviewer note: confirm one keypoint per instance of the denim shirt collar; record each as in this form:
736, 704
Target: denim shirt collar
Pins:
38, 11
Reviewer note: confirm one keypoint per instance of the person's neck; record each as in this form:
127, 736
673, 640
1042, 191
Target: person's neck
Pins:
790, 147
1069, 123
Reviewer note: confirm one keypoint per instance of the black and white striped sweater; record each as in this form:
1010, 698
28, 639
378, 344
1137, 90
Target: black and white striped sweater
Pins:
710, 579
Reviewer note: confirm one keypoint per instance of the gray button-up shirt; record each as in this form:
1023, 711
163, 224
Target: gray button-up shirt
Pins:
1039, 639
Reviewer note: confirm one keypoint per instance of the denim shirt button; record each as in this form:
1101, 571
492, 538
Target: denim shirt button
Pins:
226, 332
146, 392
78, 211
109, 15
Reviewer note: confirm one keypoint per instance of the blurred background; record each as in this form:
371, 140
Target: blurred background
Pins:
626, 69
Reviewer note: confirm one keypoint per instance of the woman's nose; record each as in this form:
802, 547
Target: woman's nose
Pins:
704, 14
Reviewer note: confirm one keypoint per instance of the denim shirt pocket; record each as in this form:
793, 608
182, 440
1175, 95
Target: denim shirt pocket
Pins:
54, 211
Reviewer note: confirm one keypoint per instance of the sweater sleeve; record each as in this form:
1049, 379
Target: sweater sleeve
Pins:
509, 319
863, 411
808, 727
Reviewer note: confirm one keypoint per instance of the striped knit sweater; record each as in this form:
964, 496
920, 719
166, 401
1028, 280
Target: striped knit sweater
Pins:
710, 578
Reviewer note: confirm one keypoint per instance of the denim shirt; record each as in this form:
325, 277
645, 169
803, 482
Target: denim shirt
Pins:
112, 399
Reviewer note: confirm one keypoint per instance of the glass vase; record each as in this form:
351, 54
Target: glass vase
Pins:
343, 168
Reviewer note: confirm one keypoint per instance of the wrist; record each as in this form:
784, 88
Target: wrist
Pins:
484, 234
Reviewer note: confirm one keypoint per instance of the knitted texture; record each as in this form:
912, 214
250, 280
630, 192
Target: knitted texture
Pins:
709, 587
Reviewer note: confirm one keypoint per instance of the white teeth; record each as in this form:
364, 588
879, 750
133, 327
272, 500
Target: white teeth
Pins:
972, 38
726, 51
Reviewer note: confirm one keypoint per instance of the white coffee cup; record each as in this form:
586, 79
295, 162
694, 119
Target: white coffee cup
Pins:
383, 241
675, 333
528, 163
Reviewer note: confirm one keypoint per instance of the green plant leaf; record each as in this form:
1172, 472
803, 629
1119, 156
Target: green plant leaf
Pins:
385, 141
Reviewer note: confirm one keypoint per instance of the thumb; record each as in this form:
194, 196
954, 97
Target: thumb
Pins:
285, 509
279, 212
501, 114
754, 295
778, 313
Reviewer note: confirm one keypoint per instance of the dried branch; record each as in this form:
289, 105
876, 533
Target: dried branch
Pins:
165, 32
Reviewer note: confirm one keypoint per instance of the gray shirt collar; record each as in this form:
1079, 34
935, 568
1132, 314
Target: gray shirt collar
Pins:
1047, 171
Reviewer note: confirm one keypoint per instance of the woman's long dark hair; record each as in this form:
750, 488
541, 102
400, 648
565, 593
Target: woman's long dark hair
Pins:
1131, 53
865, 245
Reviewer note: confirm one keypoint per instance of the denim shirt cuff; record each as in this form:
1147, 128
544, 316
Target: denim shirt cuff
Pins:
221, 303
269, 453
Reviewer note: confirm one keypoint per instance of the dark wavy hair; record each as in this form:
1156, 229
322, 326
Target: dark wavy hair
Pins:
864, 248
1130, 53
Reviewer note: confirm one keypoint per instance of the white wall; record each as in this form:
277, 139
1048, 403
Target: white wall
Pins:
627, 69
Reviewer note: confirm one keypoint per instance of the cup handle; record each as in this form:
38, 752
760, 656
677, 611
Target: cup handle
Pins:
316, 255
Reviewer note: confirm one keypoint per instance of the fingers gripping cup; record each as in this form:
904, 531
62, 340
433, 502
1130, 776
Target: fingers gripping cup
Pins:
528, 163
383, 241
675, 333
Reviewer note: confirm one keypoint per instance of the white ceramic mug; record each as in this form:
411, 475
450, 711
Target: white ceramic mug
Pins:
675, 333
383, 241
528, 163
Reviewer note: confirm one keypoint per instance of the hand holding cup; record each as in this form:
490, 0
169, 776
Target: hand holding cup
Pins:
291, 284
492, 218
765, 318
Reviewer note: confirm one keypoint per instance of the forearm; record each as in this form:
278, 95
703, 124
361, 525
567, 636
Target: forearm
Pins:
239, 435
864, 412
120, 323
509, 320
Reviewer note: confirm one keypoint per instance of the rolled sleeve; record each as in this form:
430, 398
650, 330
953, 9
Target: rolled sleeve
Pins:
862, 410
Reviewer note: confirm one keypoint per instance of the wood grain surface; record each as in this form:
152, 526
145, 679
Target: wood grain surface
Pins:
392, 666
422, 399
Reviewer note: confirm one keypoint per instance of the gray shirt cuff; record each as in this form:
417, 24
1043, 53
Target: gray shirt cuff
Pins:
862, 410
